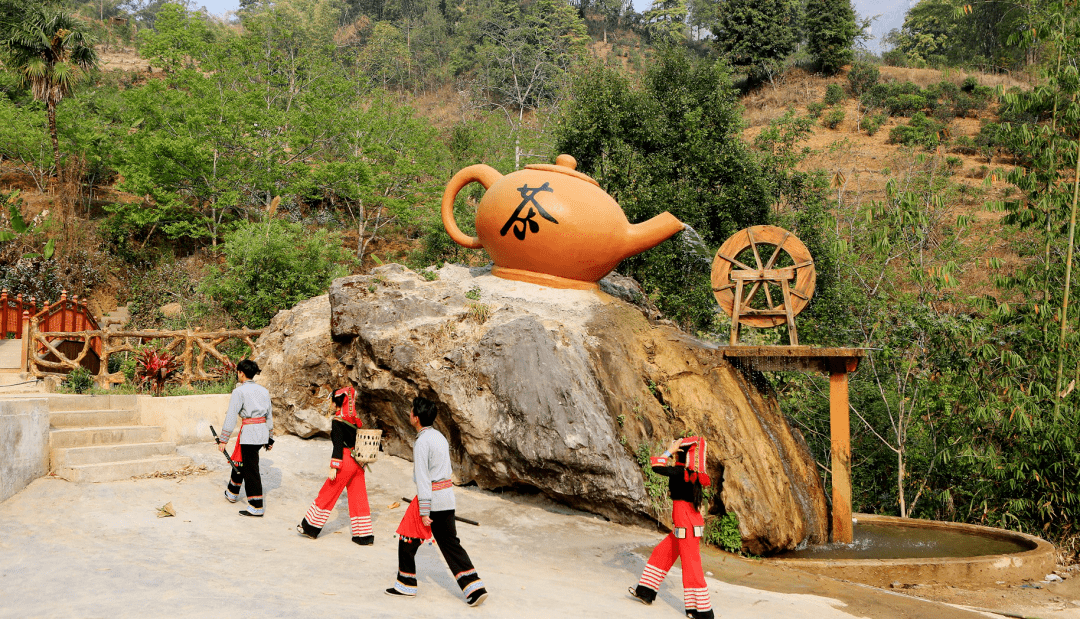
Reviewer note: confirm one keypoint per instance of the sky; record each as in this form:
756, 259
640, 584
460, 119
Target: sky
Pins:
890, 13
218, 7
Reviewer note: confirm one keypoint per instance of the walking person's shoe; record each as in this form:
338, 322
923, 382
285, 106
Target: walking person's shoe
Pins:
230, 497
394, 592
300, 529
637, 595
477, 597
366, 540
245, 512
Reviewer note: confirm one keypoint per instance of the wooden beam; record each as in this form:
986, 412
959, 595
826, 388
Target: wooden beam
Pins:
772, 275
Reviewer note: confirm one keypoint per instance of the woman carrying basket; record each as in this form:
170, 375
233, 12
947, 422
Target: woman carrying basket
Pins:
344, 474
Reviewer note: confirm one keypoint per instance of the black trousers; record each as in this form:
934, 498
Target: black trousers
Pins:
248, 474
444, 529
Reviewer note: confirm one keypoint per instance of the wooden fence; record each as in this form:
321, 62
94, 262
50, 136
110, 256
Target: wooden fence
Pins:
194, 348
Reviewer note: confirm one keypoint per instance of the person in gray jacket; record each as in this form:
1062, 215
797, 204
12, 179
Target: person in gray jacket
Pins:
431, 512
250, 403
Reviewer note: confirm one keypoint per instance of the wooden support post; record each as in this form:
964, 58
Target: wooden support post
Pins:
24, 348
840, 432
735, 313
793, 335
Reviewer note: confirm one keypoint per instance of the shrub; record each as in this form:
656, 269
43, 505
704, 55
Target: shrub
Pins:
862, 77
990, 138
905, 104
154, 368
833, 94
872, 123
953, 162
894, 58
963, 145
815, 109
724, 532
78, 380
920, 131
833, 118
271, 266
969, 84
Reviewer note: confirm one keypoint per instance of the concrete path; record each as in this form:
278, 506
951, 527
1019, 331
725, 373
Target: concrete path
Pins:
99, 550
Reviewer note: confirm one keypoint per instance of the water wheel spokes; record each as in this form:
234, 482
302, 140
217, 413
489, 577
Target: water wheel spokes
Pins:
789, 267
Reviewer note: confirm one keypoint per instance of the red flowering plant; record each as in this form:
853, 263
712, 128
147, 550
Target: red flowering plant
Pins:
154, 368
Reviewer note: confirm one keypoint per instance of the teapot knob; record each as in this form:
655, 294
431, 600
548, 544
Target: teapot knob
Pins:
567, 161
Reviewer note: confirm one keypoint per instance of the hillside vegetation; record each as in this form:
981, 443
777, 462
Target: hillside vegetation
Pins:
152, 154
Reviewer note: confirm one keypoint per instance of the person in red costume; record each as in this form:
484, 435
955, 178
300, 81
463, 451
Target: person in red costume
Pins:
684, 465
345, 474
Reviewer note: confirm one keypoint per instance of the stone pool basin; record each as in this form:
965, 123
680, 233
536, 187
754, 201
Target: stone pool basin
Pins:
1015, 557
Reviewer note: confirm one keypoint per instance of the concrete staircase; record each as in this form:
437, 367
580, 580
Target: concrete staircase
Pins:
89, 444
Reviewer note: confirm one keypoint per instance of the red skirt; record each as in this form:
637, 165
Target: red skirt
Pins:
412, 527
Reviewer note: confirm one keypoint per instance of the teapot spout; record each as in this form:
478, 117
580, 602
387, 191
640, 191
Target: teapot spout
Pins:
648, 234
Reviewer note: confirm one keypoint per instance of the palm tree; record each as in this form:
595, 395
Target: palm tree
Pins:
51, 53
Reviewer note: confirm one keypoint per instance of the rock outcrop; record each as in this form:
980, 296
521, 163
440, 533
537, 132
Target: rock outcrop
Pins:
562, 391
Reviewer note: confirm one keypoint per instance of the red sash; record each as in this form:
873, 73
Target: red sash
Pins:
237, 456
412, 527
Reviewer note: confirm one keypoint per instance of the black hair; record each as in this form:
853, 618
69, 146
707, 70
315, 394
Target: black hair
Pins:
425, 410
338, 399
248, 367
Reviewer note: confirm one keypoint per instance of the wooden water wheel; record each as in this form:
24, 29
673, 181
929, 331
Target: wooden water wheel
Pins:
779, 288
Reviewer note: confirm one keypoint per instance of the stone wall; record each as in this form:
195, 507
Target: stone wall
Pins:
24, 443
184, 419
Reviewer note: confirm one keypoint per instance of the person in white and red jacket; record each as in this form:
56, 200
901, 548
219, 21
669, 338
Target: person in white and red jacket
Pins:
431, 512
345, 474
250, 411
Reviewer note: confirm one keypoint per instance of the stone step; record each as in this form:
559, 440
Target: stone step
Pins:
126, 469
66, 402
100, 454
103, 435
92, 419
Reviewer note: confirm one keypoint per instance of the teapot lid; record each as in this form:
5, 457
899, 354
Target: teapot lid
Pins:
564, 164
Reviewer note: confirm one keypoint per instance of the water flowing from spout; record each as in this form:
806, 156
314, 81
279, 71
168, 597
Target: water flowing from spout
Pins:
694, 249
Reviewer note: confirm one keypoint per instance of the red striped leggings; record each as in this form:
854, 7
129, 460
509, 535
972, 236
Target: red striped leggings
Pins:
350, 477
680, 543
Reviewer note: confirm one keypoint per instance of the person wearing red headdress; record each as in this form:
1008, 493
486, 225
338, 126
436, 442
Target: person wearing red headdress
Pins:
684, 465
345, 474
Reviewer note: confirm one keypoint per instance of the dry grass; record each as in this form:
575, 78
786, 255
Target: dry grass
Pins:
867, 162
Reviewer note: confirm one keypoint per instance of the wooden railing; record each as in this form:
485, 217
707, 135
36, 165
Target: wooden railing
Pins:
11, 314
66, 316
194, 347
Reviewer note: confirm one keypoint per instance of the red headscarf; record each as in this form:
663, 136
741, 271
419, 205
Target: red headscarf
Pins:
347, 412
696, 449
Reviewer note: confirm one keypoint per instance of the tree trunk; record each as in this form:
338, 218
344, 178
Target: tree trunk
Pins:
900, 481
52, 133
1068, 281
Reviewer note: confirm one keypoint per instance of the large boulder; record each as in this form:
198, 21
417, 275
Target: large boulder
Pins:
299, 367
562, 391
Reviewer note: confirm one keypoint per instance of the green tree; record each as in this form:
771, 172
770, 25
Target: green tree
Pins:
273, 265
51, 52
670, 144
665, 22
831, 30
526, 51
758, 35
962, 33
177, 35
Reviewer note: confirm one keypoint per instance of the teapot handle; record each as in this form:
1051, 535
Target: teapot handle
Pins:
481, 173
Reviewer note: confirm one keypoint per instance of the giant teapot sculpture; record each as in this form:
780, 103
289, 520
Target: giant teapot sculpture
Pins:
551, 225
